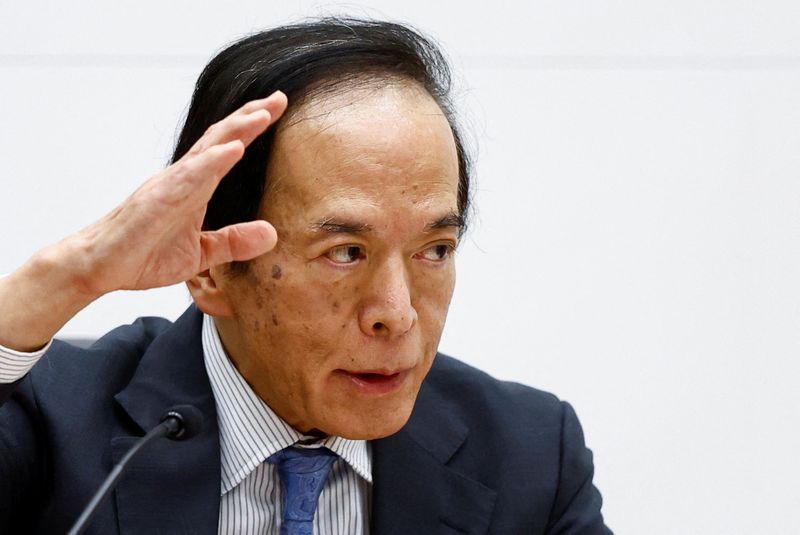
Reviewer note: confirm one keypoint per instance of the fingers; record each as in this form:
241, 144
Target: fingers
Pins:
243, 241
202, 173
275, 104
245, 124
244, 128
216, 152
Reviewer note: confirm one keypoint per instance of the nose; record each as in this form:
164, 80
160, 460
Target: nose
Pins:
386, 309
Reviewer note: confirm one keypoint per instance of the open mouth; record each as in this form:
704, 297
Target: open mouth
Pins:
374, 383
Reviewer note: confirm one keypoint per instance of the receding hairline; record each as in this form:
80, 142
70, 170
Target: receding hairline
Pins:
320, 103
317, 96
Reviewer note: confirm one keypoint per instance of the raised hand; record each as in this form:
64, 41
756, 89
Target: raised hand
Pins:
154, 238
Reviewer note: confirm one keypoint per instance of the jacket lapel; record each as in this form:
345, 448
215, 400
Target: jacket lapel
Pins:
415, 490
169, 487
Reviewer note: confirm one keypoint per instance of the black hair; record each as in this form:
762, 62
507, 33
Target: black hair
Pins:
304, 60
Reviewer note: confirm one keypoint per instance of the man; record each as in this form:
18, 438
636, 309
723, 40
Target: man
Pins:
312, 338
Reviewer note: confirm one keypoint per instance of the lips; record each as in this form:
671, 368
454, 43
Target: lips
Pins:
376, 382
374, 377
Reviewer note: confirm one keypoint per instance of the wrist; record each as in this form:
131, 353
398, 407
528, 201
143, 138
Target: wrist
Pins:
63, 270
40, 297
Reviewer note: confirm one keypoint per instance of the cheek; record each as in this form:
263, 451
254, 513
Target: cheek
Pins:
432, 303
434, 292
297, 309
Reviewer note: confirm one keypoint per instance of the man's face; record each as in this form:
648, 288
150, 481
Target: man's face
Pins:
336, 328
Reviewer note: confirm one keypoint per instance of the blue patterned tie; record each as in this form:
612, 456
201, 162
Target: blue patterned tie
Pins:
303, 472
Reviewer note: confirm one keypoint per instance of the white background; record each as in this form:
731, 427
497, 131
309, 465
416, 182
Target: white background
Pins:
637, 245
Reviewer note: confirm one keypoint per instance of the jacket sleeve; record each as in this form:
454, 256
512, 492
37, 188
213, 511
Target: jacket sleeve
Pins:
576, 510
24, 461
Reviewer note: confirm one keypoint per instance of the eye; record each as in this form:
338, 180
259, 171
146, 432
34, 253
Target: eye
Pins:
437, 253
346, 254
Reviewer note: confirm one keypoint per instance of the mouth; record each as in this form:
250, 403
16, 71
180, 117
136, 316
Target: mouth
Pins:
376, 382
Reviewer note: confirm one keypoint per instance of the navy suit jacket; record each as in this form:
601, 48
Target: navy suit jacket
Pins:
477, 456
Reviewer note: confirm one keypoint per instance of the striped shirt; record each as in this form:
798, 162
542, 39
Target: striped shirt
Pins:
250, 432
15, 364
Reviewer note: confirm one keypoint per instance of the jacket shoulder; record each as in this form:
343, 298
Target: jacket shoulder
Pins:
109, 361
475, 393
524, 443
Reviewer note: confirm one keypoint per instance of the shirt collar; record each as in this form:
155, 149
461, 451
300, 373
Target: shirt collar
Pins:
249, 431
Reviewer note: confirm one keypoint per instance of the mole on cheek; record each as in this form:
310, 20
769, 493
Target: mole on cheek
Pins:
336, 305
274, 320
276, 272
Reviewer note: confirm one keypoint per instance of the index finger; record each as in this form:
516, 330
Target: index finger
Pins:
275, 104
245, 124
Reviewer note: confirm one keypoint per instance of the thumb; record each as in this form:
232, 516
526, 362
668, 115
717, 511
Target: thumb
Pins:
243, 241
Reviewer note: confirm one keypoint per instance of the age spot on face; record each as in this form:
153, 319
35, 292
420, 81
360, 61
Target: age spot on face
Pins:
276, 272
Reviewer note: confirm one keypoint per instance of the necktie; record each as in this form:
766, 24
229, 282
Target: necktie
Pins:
303, 472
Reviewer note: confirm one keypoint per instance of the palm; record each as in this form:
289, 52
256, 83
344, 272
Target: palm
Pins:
155, 237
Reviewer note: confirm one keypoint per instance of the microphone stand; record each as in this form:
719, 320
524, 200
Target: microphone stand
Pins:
171, 426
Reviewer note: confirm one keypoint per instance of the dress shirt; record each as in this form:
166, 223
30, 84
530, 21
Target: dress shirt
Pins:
250, 432
15, 364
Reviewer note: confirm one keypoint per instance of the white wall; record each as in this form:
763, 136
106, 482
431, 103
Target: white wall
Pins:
637, 248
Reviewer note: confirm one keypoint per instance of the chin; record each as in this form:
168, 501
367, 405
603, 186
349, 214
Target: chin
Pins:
369, 427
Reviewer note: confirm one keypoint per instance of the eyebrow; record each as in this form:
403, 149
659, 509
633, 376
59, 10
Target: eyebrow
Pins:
332, 225
451, 220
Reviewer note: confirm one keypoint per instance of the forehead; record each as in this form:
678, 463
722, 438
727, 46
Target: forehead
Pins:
367, 146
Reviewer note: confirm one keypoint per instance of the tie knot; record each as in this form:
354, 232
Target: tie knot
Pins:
302, 460
302, 472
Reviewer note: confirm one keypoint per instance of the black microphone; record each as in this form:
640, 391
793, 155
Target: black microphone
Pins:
184, 421
180, 422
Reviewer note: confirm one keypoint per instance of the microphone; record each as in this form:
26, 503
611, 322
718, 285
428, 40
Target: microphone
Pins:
184, 422
180, 422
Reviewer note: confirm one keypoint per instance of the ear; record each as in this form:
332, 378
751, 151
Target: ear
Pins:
208, 294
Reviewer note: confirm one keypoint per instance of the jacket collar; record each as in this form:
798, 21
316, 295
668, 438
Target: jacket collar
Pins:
170, 487
416, 489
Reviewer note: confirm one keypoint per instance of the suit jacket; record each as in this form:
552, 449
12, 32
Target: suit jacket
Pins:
477, 456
